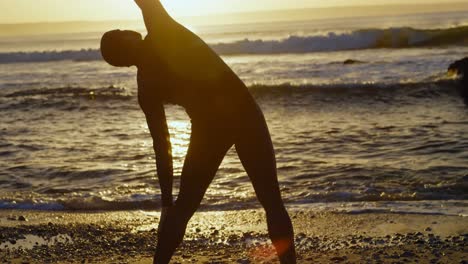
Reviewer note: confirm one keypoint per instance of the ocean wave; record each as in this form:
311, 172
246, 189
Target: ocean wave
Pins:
403, 37
418, 89
63, 98
360, 39
424, 207
80, 98
108, 92
415, 206
49, 56
88, 204
429, 89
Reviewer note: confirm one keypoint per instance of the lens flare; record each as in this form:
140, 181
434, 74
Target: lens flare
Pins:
269, 252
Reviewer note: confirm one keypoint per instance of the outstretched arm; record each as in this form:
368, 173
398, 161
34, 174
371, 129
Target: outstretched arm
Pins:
185, 54
155, 16
156, 119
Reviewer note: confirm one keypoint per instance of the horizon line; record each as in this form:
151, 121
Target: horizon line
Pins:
264, 11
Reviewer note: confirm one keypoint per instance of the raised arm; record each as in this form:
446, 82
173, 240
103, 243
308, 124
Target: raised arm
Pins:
156, 119
155, 15
185, 54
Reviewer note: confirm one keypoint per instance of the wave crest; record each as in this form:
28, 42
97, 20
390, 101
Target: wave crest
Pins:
47, 56
360, 39
124, 94
404, 37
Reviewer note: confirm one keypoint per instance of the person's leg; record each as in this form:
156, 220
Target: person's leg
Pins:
206, 152
256, 153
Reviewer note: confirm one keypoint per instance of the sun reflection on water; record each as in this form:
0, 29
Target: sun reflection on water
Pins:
180, 137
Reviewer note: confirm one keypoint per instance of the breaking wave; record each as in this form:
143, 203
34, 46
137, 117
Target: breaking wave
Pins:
47, 56
75, 98
356, 40
409, 205
404, 37
124, 94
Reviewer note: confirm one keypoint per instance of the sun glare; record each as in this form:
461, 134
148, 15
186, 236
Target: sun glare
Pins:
195, 8
186, 8
180, 136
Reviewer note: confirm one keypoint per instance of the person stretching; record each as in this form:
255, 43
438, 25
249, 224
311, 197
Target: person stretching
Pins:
176, 67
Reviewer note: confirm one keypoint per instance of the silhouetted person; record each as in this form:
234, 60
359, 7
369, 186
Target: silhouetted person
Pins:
176, 67
461, 67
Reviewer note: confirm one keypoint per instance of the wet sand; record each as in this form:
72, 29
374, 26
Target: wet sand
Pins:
232, 237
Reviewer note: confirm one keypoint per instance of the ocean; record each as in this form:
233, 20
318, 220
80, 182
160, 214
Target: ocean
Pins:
386, 132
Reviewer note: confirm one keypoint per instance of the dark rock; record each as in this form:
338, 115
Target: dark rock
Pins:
407, 254
243, 261
338, 259
301, 235
460, 67
22, 218
351, 61
420, 242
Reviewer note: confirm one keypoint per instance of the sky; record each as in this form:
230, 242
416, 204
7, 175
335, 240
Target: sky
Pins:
22, 11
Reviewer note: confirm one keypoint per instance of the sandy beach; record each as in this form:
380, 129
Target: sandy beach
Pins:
232, 237
369, 130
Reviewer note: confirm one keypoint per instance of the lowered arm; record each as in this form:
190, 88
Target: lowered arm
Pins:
156, 119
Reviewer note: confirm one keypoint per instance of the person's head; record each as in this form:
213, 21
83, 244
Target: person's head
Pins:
120, 47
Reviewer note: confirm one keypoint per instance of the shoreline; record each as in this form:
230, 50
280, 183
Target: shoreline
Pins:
232, 237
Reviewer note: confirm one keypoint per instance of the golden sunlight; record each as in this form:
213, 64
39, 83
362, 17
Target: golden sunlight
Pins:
180, 136
31, 11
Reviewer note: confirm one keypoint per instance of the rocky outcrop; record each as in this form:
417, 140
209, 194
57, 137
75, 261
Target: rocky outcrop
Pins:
460, 67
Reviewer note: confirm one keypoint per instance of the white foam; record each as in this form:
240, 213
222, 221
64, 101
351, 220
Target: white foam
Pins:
360, 39
436, 207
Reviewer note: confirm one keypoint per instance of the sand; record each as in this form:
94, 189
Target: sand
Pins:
232, 237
